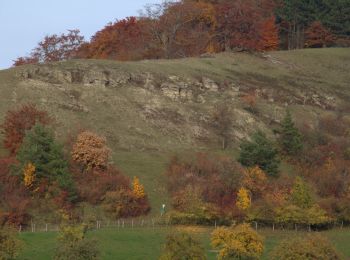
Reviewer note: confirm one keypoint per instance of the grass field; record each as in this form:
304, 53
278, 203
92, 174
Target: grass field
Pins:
146, 243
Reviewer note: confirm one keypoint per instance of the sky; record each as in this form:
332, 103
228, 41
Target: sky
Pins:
23, 23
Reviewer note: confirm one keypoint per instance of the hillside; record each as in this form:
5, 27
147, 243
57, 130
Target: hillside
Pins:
150, 110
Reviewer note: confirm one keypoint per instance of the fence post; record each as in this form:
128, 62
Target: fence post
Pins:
20, 229
142, 223
132, 223
273, 226
46, 227
256, 225
123, 223
118, 224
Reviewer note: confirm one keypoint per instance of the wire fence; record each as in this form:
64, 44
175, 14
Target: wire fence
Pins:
159, 223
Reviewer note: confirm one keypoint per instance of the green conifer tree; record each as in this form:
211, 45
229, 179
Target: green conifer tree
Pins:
291, 139
260, 152
39, 148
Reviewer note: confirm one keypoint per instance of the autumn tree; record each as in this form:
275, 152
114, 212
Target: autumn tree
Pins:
300, 194
260, 152
25, 61
222, 122
73, 244
236, 28
90, 151
307, 247
181, 29
54, 48
126, 39
14, 197
138, 188
29, 175
18, 121
243, 201
269, 35
238, 242
255, 181
93, 185
10, 245
209, 179
290, 138
182, 246
123, 203
318, 36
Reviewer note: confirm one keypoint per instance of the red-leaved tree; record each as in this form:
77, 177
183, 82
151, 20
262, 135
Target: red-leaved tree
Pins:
18, 121
54, 48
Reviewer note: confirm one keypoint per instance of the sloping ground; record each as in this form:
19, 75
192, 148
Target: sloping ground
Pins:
151, 109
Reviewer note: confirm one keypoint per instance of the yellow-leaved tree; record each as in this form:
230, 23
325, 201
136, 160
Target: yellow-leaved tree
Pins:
239, 242
138, 189
243, 199
255, 181
29, 175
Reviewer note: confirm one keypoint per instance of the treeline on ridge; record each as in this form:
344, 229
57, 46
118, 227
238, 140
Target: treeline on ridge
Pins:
177, 29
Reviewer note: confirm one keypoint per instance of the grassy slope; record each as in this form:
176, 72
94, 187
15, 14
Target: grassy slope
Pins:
142, 148
146, 243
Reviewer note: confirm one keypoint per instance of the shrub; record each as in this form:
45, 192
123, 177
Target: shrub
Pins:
239, 242
181, 246
93, 185
123, 203
205, 217
10, 246
304, 248
72, 244
214, 179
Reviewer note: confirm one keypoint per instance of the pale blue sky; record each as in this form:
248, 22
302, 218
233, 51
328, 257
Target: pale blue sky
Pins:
23, 23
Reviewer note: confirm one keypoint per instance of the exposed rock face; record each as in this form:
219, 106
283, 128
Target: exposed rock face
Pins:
174, 87
177, 106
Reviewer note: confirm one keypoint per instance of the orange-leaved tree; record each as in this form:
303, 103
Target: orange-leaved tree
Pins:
318, 36
269, 35
255, 180
29, 175
90, 151
138, 189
